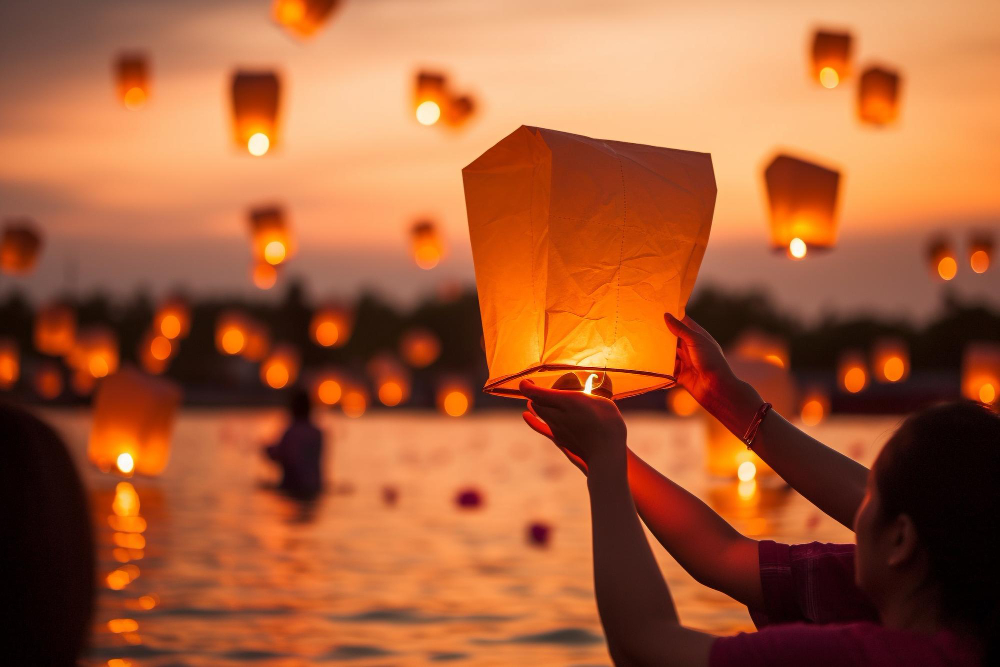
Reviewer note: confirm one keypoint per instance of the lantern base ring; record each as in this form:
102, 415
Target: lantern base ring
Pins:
494, 386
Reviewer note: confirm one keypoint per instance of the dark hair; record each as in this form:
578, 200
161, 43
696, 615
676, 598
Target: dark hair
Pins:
299, 405
48, 586
942, 469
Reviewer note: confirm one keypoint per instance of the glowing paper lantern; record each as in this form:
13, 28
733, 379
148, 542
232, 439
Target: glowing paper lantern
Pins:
132, 77
419, 347
303, 18
852, 372
758, 345
173, 319
430, 97
10, 363
20, 246
391, 381
133, 420
580, 245
815, 407
981, 372
231, 332
281, 368
878, 96
271, 237
890, 360
942, 260
155, 351
95, 352
427, 244
55, 329
802, 197
454, 397
328, 387
354, 402
256, 97
331, 326
48, 380
831, 57
459, 111
980, 253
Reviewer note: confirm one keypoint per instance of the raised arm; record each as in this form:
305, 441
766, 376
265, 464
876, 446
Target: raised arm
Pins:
833, 482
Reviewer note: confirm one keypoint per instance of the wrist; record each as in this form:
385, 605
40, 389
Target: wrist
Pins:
734, 405
608, 465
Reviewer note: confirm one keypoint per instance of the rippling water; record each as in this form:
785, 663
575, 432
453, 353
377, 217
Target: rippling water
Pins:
231, 573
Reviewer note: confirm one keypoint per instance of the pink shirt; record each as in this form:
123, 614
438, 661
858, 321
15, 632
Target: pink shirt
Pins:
815, 615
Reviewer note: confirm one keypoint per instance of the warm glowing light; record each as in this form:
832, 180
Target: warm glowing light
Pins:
126, 502
127, 524
456, 403
118, 580
682, 402
48, 381
290, 11
258, 144
829, 77
426, 255
390, 394
147, 602
747, 489
170, 326
129, 540
134, 98
428, 113
947, 267
588, 387
160, 348
747, 471
855, 379
125, 463
274, 252
353, 403
329, 392
979, 261
812, 412
233, 341
797, 248
119, 662
276, 375
420, 348
327, 333
264, 275
119, 625
987, 393
98, 367
893, 369
775, 359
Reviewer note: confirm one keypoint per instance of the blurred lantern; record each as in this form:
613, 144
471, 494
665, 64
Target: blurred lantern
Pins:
758, 345
980, 253
942, 259
272, 239
20, 246
10, 363
890, 360
802, 197
132, 77
354, 401
831, 57
55, 329
570, 278
728, 456
231, 333
427, 244
815, 407
95, 352
430, 97
852, 372
264, 275
155, 351
454, 397
878, 96
173, 319
48, 380
82, 382
419, 347
391, 381
328, 387
281, 367
258, 341
256, 98
459, 110
331, 326
133, 420
303, 17
681, 402
981, 372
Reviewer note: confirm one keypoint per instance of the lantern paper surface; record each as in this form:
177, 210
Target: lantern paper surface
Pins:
134, 415
255, 97
20, 246
981, 372
802, 197
303, 17
878, 96
831, 51
580, 245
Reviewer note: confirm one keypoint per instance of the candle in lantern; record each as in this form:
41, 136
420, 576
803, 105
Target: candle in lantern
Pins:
454, 397
878, 96
430, 97
980, 252
941, 259
331, 326
231, 333
391, 380
852, 371
427, 244
281, 367
272, 239
173, 319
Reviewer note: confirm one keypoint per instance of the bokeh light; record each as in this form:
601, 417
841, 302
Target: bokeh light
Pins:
828, 77
797, 248
258, 144
428, 113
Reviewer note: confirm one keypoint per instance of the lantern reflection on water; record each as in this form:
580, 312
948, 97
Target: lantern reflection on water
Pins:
10, 363
980, 253
802, 199
55, 329
981, 372
256, 102
942, 260
427, 244
890, 360
20, 246
831, 57
419, 347
878, 96
48, 380
852, 371
132, 78
573, 279
281, 367
331, 326
302, 17
132, 422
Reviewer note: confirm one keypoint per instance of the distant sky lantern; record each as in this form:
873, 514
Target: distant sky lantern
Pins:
48, 380
231, 333
802, 197
155, 351
430, 97
419, 347
831, 57
458, 111
281, 367
390, 379
257, 341
331, 326
980, 253
10, 363
95, 352
454, 397
256, 100
890, 360
270, 235
878, 96
173, 319
328, 387
354, 401
981, 372
303, 18
132, 423
942, 260
55, 329
427, 244
132, 78
20, 246
754, 344
579, 246
852, 372
814, 408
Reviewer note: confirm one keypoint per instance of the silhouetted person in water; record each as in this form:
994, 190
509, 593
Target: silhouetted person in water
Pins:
299, 452
46, 547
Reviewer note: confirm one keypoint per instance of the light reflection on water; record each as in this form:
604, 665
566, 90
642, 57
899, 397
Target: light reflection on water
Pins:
229, 572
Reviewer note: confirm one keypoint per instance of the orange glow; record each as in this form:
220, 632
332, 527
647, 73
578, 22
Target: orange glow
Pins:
748, 489
132, 72
49, 381
122, 577
134, 98
757, 345
258, 341
264, 275
160, 348
119, 625
127, 524
231, 333
124, 463
98, 367
987, 393
813, 411
280, 368
258, 144
979, 261
302, 17
95, 352
55, 329
10, 363
878, 96
173, 319
855, 379
20, 246
329, 392
126, 502
271, 241
274, 252
454, 400
327, 333
331, 326
427, 245
147, 602
681, 402
428, 113
890, 360
276, 375
830, 57
129, 540
390, 393
289, 11
802, 200
119, 662
797, 248
947, 268
354, 403
170, 326
828, 77
256, 98
419, 348
82, 382
391, 378
747, 471
893, 369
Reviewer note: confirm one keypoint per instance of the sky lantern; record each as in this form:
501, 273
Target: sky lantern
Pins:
890, 360
980, 253
814, 408
257, 341
10, 363
155, 351
942, 260
878, 96
981, 372
173, 319
459, 110
303, 18
579, 247
754, 344
256, 99
852, 372
132, 423
95, 352
271, 237
20, 246
331, 326
231, 332
831, 57
802, 197
48, 380
132, 78
354, 401
55, 329
427, 244
419, 347
328, 387
454, 397
281, 367
391, 380
430, 97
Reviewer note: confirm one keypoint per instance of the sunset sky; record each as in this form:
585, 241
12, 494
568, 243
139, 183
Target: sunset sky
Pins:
159, 197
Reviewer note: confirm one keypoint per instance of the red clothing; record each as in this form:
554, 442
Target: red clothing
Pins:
815, 615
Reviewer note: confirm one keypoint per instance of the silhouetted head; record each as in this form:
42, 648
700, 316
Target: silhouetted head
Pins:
928, 524
48, 586
299, 405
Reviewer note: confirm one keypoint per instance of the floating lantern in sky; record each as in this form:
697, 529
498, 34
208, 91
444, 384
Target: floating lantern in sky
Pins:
132, 423
831, 57
10, 363
155, 351
354, 401
890, 360
303, 18
852, 372
132, 78
55, 329
328, 387
231, 333
459, 111
579, 246
271, 237
281, 367
754, 344
980, 253
419, 347
48, 380
942, 259
331, 326
454, 397
430, 97
878, 96
427, 244
391, 381
469, 498
981, 372
173, 319
815, 407
802, 197
20, 246
95, 352
256, 101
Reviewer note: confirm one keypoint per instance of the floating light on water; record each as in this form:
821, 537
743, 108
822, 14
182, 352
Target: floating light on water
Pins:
132, 78
231, 333
281, 367
980, 253
331, 326
831, 57
941, 257
890, 360
20, 246
681, 402
802, 198
852, 372
427, 244
981, 372
419, 347
302, 18
878, 96
49, 380
55, 329
602, 303
256, 102
10, 363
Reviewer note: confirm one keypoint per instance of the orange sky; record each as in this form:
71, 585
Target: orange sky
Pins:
159, 197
